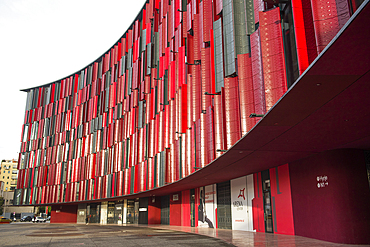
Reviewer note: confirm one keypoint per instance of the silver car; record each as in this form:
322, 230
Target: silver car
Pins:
38, 219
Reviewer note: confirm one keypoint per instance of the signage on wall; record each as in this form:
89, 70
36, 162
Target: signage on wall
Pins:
238, 204
322, 181
175, 197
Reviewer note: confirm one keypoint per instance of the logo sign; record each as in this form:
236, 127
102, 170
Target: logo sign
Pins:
175, 197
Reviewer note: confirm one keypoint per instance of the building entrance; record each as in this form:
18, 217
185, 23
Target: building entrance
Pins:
192, 207
130, 219
110, 215
94, 213
165, 210
224, 205
267, 201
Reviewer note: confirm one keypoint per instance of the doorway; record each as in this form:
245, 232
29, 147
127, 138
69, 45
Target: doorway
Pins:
266, 190
192, 207
224, 205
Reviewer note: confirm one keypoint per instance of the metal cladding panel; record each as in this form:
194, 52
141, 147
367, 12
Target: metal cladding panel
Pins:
197, 37
258, 7
207, 20
189, 101
196, 146
218, 123
189, 16
246, 93
240, 24
218, 5
161, 132
229, 37
206, 78
184, 108
304, 33
232, 112
209, 125
196, 92
257, 73
126, 181
166, 127
172, 121
328, 18
218, 55
150, 174
203, 141
272, 56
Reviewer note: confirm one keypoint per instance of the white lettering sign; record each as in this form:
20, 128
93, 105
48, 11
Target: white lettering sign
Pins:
322, 181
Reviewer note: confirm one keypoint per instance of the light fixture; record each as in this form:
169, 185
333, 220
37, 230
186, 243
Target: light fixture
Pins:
206, 93
256, 115
196, 167
221, 150
196, 62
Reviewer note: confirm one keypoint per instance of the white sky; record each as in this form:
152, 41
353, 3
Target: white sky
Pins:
42, 41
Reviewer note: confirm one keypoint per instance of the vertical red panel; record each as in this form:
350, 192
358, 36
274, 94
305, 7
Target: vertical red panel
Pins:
218, 6
185, 212
232, 111
257, 204
258, 84
258, 7
197, 37
175, 209
219, 126
246, 93
304, 33
272, 56
281, 200
328, 18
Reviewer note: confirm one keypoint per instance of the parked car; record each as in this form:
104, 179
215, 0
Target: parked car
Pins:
26, 218
5, 220
38, 219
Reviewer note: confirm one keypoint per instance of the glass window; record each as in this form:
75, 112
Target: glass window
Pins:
7, 182
8, 177
8, 171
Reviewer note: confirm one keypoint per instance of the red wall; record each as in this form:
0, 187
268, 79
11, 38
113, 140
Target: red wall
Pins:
338, 212
64, 214
281, 200
154, 210
175, 210
185, 213
257, 204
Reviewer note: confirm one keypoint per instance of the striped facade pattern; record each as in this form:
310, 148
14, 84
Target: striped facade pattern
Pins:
179, 85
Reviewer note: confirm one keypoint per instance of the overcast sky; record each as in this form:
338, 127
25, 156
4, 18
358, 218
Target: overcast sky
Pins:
42, 41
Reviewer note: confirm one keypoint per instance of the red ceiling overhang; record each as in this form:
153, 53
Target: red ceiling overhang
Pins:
327, 108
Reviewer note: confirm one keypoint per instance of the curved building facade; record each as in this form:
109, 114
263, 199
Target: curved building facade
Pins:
236, 114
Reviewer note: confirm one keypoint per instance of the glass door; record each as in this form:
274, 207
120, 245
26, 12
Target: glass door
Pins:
267, 201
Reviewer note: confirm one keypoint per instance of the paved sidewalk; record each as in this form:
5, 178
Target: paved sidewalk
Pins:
45, 234
244, 238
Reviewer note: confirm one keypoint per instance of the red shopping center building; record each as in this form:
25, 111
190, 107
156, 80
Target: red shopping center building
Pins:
236, 114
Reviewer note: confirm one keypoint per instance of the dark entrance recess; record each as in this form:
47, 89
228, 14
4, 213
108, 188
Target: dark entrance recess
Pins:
192, 207
143, 210
266, 189
130, 211
165, 210
224, 205
94, 212
110, 213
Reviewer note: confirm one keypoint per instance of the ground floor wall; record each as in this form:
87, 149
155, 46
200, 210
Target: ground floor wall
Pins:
64, 214
325, 196
331, 197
